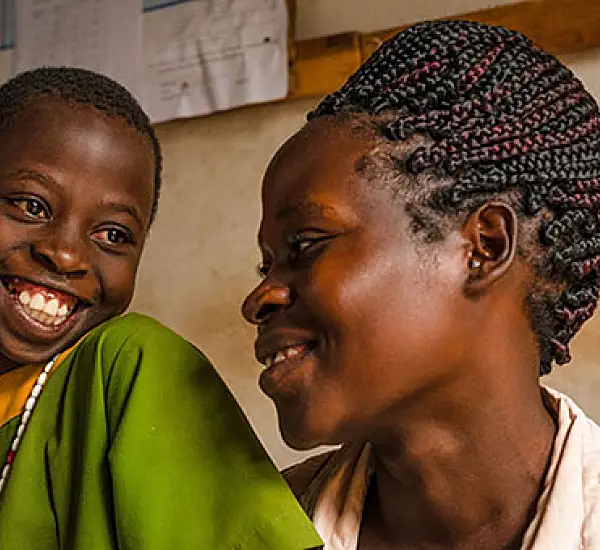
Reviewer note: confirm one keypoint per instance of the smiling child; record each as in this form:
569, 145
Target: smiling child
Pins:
116, 433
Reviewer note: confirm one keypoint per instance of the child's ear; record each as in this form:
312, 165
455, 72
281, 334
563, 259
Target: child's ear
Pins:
492, 233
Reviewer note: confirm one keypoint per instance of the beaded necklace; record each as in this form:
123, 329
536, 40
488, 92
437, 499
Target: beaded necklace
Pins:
25, 416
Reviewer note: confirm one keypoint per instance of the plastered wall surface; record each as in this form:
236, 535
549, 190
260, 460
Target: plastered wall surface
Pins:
322, 17
201, 256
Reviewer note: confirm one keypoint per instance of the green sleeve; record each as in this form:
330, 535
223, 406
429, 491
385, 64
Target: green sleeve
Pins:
187, 470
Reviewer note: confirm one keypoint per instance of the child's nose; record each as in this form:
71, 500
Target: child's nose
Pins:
64, 258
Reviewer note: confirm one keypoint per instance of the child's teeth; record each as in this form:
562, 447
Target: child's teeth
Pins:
37, 302
24, 298
37, 315
49, 312
280, 356
51, 307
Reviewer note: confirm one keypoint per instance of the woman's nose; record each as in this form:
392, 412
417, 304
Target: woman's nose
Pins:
264, 301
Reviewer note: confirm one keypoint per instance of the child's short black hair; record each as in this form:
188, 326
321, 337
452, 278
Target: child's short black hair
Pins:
503, 119
85, 87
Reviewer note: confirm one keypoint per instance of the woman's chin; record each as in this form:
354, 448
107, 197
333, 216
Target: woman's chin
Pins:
302, 436
297, 443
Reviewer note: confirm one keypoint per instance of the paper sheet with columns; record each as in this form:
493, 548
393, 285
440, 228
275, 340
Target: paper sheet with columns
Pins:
7, 38
210, 55
181, 58
103, 35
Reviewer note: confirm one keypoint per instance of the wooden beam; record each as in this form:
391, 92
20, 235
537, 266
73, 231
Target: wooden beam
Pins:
321, 65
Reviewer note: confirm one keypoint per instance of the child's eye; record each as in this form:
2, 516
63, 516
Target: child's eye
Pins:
113, 236
32, 208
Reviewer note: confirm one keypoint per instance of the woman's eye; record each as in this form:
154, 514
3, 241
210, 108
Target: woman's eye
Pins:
113, 236
33, 208
263, 270
301, 245
304, 249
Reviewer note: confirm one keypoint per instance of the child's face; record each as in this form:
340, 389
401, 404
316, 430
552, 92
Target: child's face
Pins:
364, 315
76, 191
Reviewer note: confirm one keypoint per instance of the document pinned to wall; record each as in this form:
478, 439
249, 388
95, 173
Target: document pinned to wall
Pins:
7, 24
101, 35
180, 58
7, 38
202, 56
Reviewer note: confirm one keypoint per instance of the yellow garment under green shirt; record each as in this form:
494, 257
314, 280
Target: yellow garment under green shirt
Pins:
136, 443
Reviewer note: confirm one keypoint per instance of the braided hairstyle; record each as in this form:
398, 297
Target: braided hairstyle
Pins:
502, 119
80, 86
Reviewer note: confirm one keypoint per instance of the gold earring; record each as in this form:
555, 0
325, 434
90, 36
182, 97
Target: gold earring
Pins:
474, 263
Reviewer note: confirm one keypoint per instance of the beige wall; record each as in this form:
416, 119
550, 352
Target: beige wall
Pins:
322, 17
201, 257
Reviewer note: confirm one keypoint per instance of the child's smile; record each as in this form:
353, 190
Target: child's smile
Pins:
47, 310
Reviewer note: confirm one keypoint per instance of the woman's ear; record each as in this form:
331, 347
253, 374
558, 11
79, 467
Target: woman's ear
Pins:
492, 233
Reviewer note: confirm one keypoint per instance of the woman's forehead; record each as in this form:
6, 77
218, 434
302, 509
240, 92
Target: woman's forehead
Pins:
328, 159
322, 195
320, 153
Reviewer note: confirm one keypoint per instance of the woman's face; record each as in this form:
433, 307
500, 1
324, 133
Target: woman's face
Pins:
356, 316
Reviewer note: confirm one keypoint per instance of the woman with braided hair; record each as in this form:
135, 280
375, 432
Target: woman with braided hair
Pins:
431, 245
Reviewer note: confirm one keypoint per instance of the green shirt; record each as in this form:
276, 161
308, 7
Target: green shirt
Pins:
136, 443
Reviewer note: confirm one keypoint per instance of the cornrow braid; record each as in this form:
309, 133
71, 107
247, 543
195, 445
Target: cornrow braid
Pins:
85, 87
503, 119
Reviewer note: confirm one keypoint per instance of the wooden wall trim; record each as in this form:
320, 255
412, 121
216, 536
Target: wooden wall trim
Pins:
321, 65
